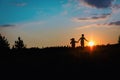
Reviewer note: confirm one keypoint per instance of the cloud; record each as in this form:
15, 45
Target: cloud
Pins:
94, 18
106, 25
32, 23
27, 24
20, 4
116, 6
98, 3
7, 25
66, 5
116, 9
117, 23
64, 12
91, 26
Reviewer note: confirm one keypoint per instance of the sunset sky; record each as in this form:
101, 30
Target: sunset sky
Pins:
42, 23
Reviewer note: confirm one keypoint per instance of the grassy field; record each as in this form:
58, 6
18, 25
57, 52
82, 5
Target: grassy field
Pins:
62, 59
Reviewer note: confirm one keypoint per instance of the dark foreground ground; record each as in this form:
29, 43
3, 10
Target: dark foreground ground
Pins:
61, 59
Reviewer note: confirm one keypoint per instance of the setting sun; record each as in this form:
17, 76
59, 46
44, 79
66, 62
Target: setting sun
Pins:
91, 43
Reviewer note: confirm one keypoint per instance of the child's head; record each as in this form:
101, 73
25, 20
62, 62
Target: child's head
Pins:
82, 35
72, 39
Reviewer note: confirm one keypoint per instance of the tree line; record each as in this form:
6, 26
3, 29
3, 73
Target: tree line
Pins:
4, 44
18, 44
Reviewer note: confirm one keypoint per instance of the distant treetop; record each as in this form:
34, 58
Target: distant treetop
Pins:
19, 44
4, 42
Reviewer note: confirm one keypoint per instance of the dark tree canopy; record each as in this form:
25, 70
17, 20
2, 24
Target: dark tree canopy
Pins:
19, 44
119, 40
4, 42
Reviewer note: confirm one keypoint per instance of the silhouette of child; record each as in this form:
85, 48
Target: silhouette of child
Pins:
73, 42
82, 40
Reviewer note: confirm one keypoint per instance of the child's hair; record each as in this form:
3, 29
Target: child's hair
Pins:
72, 39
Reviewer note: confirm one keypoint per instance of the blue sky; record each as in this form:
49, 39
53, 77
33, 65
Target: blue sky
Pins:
42, 23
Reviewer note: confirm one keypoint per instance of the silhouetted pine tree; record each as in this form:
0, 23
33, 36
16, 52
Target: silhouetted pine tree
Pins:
19, 44
4, 43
